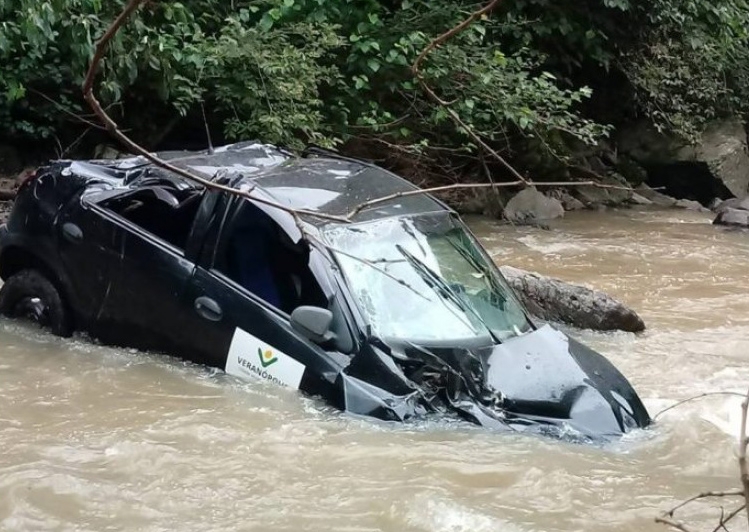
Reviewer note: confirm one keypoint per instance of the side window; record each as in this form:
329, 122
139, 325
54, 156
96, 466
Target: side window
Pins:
166, 213
258, 255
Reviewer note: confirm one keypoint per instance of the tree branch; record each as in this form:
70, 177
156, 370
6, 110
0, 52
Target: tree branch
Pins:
743, 441
705, 495
667, 517
678, 525
456, 186
693, 398
725, 519
115, 131
416, 70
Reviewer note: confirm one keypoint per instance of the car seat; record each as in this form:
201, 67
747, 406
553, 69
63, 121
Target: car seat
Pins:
250, 254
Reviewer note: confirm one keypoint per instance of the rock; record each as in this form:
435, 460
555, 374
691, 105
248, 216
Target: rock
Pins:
595, 197
554, 300
529, 206
733, 203
724, 149
654, 196
690, 205
733, 217
569, 202
642, 143
733, 212
596, 164
718, 165
477, 201
592, 197
632, 172
637, 199
714, 204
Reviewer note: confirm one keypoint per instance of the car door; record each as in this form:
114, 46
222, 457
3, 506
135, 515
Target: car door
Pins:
88, 245
145, 305
240, 332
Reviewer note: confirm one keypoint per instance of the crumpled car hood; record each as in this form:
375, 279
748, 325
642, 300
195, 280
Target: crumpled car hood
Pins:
546, 377
542, 381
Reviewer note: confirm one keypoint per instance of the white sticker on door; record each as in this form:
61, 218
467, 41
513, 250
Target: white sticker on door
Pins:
250, 357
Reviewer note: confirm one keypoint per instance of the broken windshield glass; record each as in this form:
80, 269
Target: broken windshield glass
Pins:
423, 278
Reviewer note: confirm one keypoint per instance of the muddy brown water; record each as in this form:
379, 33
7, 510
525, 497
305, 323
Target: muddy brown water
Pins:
95, 438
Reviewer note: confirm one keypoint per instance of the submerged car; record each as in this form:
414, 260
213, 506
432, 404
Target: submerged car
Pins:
387, 308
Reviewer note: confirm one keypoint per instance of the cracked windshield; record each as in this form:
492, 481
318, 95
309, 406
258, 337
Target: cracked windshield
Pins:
408, 274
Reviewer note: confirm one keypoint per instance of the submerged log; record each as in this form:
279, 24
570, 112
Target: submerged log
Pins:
557, 301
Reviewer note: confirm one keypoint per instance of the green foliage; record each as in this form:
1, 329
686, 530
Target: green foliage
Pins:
171, 55
332, 71
693, 65
685, 62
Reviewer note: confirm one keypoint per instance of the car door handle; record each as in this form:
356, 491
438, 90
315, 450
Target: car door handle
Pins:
208, 309
72, 233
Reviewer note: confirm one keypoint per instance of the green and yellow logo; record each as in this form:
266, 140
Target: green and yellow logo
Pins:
266, 357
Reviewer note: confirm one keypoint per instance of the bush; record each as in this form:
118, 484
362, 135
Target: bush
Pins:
299, 71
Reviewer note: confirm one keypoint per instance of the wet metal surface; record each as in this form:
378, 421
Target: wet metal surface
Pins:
95, 438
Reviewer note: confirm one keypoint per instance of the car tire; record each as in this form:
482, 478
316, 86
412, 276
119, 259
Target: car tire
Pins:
30, 295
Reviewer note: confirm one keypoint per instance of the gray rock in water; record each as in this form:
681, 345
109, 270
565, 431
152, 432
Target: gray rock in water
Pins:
690, 205
595, 197
733, 217
554, 300
637, 199
733, 203
714, 204
569, 203
530, 206
654, 196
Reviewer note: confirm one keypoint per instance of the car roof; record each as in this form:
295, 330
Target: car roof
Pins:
320, 181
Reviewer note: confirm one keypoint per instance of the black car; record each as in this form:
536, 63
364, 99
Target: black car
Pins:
394, 314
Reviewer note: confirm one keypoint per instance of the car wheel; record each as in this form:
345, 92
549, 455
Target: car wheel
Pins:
29, 295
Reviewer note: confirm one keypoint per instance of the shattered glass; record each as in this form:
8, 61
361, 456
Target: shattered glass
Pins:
422, 278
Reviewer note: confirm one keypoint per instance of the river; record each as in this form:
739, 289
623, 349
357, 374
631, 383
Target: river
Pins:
95, 438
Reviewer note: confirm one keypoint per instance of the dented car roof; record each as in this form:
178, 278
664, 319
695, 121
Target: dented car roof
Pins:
320, 181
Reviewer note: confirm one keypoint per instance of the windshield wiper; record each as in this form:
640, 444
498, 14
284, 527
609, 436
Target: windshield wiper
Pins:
483, 269
377, 269
443, 287
489, 275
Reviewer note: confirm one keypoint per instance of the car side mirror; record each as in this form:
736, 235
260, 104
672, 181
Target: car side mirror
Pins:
314, 323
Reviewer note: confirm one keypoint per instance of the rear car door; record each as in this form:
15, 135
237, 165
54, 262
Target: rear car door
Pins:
145, 304
88, 247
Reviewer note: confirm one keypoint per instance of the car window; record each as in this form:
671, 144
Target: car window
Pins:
410, 273
258, 255
168, 214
